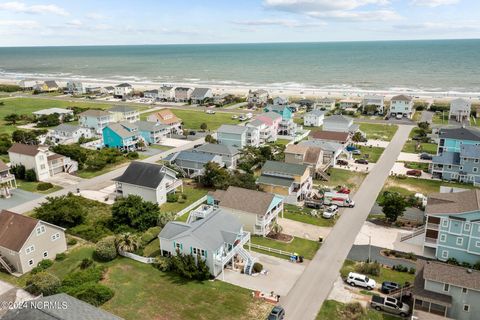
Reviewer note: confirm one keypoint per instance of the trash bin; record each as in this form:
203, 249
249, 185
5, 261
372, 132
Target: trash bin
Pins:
300, 259
320, 239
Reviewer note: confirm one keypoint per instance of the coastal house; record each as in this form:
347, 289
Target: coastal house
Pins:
309, 155
168, 118
331, 136
166, 93
232, 135
460, 109
229, 155
69, 133
200, 95
373, 104
269, 132
150, 181
93, 90
313, 118
286, 127
258, 131
222, 99
458, 156
257, 98
152, 132
95, 119
107, 90
401, 104
47, 86
340, 123
215, 235
151, 94
124, 113
192, 163
445, 291
331, 151
69, 308
349, 103
122, 90
257, 211
27, 84
45, 163
452, 228
183, 94
327, 104
280, 101
25, 241
291, 181
123, 136
62, 113
7, 181
76, 88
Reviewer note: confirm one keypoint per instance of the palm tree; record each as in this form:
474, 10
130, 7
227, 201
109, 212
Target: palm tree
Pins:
276, 228
127, 242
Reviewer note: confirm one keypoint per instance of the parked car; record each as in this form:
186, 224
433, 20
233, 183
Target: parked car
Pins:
342, 162
210, 111
357, 152
330, 212
277, 313
361, 161
234, 117
426, 156
360, 280
399, 116
414, 172
390, 305
344, 190
388, 286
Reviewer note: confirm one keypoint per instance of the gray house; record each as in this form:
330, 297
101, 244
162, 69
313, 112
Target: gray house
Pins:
211, 234
193, 163
339, 123
199, 95
232, 135
446, 290
230, 155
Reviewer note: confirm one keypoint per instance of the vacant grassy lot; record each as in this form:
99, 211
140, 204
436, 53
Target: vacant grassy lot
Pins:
439, 118
32, 187
386, 274
412, 146
372, 154
192, 193
302, 215
342, 177
332, 309
88, 174
305, 248
378, 131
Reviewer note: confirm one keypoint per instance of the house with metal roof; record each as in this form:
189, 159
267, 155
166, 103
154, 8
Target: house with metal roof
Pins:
212, 234
150, 181
314, 118
25, 241
460, 109
340, 123
445, 290
192, 163
124, 113
453, 226
230, 155
69, 133
199, 95
152, 132
401, 104
238, 136
95, 119
256, 210
122, 90
123, 136
291, 181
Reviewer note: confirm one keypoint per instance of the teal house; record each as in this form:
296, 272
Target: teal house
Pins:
123, 136
452, 230
284, 110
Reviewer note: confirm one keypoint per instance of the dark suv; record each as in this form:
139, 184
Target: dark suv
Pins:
388, 286
278, 313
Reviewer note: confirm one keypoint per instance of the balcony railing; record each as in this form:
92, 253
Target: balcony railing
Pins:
226, 256
175, 184
433, 226
7, 177
430, 242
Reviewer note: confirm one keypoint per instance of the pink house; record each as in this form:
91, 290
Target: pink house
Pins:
272, 122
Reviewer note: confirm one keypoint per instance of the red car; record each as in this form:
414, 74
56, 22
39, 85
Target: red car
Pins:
344, 190
415, 173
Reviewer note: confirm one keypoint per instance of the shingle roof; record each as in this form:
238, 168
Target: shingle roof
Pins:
291, 169
451, 274
151, 91
230, 128
324, 145
26, 149
182, 89
166, 116
326, 100
94, 113
312, 155
251, 201
420, 292
15, 229
330, 135
447, 157
51, 84
402, 97
338, 118
187, 155
217, 148
296, 148
121, 108
3, 166
199, 93
68, 308
460, 134
260, 91
150, 126
120, 130
123, 85
255, 123
66, 127
275, 181
143, 174
316, 112
453, 203
470, 151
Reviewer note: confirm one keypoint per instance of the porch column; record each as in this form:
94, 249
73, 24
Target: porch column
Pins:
429, 307
445, 313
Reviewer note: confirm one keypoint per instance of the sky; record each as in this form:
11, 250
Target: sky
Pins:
121, 22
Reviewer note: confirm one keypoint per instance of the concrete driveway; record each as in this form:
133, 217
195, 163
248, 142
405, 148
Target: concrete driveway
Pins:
399, 168
411, 157
174, 142
374, 143
303, 230
64, 179
280, 278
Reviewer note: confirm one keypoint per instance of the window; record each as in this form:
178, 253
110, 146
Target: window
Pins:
464, 290
461, 167
475, 169
30, 249
30, 262
466, 307
459, 241
42, 167
445, 223
443, 238
467, 226
55, 236
45, 254
476, 160
445, 254
446, 287
40, 230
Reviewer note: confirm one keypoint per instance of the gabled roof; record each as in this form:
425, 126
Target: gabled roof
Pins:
150, 126
327, 100
121, 108
143, 174
296, 149
64, 127
231, 128
68, 308
460, 134
25, 149
124, 85
324, 145
447, 157
51, 84
338, 118
251, 201
15, 229
166, 88
316, 112
216, 148
94, 113
402, 97
199, 93
330, 135
453, 203
259, 92
451, 274
120, 130
275, 181
151, 91
3, 166
282, 168
312, 155
255, 123
192, 156
166, 116
182, 89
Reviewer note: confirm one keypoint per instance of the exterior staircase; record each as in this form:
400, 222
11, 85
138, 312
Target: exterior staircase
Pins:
249, 260
416, 232
6, 265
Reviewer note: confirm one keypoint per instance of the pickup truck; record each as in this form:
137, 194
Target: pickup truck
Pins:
390, 305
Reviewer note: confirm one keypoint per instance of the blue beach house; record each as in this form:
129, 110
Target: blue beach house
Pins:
122, 136
284, 110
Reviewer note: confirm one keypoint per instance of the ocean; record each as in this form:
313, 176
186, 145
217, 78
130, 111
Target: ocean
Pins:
436, 66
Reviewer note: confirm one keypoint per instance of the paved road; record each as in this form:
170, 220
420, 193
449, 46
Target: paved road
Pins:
307, 296
101, 181
360, 253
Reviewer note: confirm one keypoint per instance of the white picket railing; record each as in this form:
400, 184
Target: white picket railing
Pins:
268, 249
192, 206
136, 257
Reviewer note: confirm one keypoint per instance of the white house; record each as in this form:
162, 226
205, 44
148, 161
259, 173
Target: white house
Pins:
373, 104
460, 109
166, 93
340, 123
124, 113
69, 133
257, 97
151, 94
313, 118
62, 113
95, 119
325, 104
107, 90
150, 181
349, 103
44, 162
401, 104
76, 88
199, 95
280, 101
27, 84
123, 90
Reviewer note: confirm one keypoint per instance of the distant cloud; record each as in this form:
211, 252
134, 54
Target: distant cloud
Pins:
95, 16
75, 23
433, 3
445, 27
27, 24
20, 7
279, 22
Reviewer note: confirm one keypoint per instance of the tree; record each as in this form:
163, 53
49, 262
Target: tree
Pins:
210, 139
393, 205
243, 180
189, 267
25, 137
5, 143
74, 152
30, 175
276, 228
19, 171
65, 211
215, 176
165, 217
203, 126
105, 249
50, 120
12, 118
135, 213
127, 242
43, 283
358, 137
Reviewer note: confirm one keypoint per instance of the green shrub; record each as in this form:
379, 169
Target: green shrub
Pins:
105, 249
172, 197
184, 196
257, 267
72, 241
163, 264
42, 266
353, 310
86, 263
30, 175
93, 293
75, 279
91, 233
400, 268
133, 155
43, 283
42, 186
372, 268
411, 270
60, 256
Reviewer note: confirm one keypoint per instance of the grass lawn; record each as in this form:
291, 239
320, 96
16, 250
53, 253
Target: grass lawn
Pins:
373, 153
417, 116
340, 177
378, 131
301, 214
437, 118
88, 174
32, 187
193, 194
4, 158
152, 249
386, 274
304, 247
411, 146
332, 309
159, 147
283, 142
417, 165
